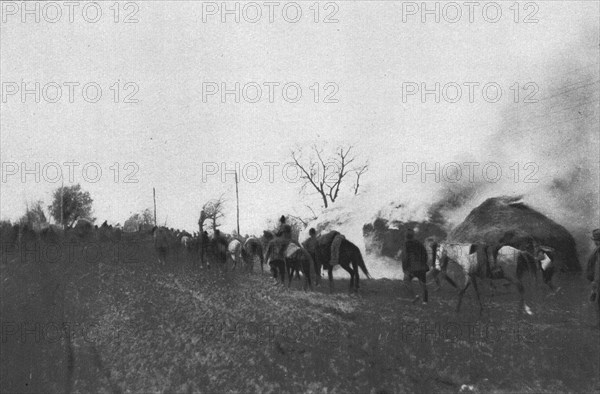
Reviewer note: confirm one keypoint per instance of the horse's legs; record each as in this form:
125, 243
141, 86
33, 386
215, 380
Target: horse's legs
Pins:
290, 275
351, 285
356, 278
447, 278
436, 278
478, 296
282, 272
306, 270
462, 293
423, 284
519, 285
522, 305
317, 267
330, 274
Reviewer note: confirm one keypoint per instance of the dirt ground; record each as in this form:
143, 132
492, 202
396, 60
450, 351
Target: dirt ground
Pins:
110, 326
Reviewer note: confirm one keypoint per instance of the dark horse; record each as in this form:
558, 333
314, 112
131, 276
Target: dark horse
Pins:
218, 249
299, 260
350, 259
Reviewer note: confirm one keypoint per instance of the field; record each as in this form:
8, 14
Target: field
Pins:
109, 326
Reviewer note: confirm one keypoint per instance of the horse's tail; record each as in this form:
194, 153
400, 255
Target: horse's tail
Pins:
361, 264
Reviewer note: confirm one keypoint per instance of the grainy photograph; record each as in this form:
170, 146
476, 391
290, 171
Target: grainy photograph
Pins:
309, 196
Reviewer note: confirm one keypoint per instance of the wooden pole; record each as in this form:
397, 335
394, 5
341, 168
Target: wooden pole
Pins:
237, 197
154, 197
62, 189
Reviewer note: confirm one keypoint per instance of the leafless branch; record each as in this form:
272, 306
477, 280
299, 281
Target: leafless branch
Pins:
326, 175
359, 171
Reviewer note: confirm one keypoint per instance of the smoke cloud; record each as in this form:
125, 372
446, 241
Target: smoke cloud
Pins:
548, 151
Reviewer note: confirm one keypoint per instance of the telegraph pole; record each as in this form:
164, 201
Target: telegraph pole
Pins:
154, 197
62, 190
237, 197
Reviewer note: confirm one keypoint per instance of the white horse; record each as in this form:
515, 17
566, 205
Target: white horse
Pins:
510, 265
234, 250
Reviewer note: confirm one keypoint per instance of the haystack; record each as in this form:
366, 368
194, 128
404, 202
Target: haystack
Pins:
490, 221
385, 238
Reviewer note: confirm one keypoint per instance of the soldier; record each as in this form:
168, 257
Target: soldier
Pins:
280, 227
311, 247
414, 264
275, 254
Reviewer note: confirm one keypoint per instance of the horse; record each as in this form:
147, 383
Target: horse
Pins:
510, 265
435, 272
219, 249
275, 255
252, 251
234, 249
545, 262
186, 241
350, 259
297, 259
162, 243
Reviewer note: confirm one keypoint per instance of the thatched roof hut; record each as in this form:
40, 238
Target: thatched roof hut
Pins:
385, 238
498, 216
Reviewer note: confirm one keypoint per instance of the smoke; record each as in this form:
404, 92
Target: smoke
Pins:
349, 215
552, 148
548, 151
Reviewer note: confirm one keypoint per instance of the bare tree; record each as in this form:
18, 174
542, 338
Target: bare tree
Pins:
305, 219
213, 211
359, 171
34, 214
325, 175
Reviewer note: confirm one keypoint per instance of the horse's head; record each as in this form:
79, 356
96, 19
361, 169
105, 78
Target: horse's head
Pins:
545, 256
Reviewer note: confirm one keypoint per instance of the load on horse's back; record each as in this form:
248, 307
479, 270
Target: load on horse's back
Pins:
328, 248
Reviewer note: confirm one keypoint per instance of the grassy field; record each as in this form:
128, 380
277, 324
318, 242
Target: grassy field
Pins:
109, 326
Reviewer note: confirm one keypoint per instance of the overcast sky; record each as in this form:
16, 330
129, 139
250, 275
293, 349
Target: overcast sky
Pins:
170, 54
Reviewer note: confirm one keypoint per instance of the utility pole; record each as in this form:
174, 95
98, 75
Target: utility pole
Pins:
154, 197
62, 190
237, 197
